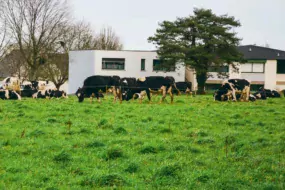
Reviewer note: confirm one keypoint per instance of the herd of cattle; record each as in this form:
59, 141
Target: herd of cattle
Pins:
12, 88
239, 89
128, 88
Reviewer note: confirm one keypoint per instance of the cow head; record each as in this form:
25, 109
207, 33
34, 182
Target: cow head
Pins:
127, 95
80, 94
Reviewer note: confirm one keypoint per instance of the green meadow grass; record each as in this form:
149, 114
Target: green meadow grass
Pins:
194, 143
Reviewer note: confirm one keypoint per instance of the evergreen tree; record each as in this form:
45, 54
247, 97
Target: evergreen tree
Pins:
199, 41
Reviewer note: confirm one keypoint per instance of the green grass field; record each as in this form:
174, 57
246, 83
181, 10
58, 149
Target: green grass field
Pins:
193, 144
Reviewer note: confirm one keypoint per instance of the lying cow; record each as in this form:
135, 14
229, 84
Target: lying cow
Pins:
28, 90
232, 87
92, 87
57, 94
9, 95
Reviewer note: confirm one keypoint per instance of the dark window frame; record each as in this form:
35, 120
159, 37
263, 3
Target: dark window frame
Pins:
279, 63
216, 69
252, 68
142, 64
157, 69
113, 64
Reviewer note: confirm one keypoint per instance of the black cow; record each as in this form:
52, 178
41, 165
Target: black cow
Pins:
93, 85
58, 94
9, 95
183, 87
28, 90
232, 87
152, 84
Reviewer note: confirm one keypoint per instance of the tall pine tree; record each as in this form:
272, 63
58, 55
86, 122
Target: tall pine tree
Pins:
199, 41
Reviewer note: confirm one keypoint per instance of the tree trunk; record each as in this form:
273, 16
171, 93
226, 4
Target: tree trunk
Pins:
32, 74
58, 85
201, 80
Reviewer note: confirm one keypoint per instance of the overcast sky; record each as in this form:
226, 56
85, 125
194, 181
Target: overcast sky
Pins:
135, 20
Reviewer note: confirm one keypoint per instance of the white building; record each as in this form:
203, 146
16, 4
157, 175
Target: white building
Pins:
83, 64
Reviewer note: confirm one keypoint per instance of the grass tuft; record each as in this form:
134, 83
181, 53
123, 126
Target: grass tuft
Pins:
120, 130
132, 168
114, 153
148, 150
62, 157
95, 144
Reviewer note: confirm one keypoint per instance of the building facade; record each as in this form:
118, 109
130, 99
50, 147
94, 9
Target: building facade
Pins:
262, 67
83, 64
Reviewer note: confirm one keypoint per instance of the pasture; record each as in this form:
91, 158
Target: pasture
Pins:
193, 144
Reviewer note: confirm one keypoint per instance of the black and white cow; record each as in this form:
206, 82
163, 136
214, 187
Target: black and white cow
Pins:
12, 83
232, 87
9, 95
93, 85
58, 94
42, 94
152, 84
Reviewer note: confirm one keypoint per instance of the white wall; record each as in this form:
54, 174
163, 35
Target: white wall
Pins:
254, 77
133, 65
270, 74
81, 66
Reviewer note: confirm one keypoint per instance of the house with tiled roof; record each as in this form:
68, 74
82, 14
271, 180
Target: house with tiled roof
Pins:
263, 67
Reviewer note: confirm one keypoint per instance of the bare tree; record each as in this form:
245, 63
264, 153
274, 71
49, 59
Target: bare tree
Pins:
13, 64
35, 26
56, 69
107, 40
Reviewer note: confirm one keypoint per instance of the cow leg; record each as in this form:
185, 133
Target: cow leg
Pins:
247, 93
234, 95
171, 96
163, 88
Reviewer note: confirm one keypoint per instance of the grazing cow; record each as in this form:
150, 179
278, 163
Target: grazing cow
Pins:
92, 87
223, 94
152, 84
183, 87
234, 86
9, 95
12, 83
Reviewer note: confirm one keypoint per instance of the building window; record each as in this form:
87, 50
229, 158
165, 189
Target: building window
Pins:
252, 68
113, 63
219, 69
159, 66
142, 64
280, 66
